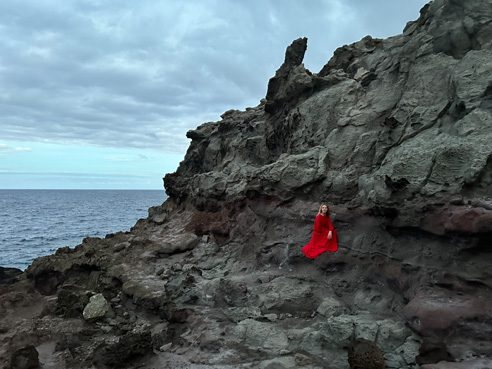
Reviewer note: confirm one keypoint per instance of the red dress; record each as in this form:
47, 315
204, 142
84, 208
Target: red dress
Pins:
319, 241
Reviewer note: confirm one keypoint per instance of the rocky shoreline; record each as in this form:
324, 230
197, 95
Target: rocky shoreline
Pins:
394, 134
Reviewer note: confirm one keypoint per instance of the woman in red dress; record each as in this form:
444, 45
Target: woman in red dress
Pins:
324, 235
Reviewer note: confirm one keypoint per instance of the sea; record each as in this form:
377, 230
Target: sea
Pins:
35, 223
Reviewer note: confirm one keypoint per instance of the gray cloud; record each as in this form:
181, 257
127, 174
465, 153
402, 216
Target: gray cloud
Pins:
140, 74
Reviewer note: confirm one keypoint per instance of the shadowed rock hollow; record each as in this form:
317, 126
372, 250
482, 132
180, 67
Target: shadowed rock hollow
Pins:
394, 134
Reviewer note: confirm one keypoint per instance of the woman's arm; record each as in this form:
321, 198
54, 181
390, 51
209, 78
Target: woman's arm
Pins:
330, 225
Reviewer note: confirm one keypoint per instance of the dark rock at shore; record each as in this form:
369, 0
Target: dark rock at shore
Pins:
393, 134
9, 275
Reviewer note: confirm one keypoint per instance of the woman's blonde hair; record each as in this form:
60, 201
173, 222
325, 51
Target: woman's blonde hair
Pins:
327, 211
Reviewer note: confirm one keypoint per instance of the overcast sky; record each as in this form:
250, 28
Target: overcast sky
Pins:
100, 93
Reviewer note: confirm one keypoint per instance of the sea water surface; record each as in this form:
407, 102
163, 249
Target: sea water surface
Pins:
37, 222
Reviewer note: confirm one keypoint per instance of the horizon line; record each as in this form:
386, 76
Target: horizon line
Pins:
84, 189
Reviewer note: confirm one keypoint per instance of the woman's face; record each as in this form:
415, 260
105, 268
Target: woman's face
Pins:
324, 209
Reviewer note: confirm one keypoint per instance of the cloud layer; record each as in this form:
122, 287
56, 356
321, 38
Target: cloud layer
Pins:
140, 74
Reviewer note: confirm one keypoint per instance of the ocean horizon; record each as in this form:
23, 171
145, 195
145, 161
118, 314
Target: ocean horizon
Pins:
37, 222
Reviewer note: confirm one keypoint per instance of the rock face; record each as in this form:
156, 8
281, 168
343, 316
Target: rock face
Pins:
395, 135
414, 133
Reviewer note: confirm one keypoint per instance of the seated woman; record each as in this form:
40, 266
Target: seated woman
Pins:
324, 235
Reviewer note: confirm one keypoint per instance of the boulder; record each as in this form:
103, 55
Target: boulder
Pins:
98, 307
365, 354
25, 358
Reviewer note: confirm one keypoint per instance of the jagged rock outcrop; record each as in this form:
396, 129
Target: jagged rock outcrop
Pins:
394, 134
414, 133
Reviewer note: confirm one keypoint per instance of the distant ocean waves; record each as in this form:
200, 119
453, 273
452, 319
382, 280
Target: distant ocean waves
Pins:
34, 223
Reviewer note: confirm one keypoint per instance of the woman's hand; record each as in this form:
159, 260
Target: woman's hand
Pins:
330, 235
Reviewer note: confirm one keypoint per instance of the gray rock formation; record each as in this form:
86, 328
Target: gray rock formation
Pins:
415, 133
394, 134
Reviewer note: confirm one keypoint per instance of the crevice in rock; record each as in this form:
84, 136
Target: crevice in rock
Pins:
47, 282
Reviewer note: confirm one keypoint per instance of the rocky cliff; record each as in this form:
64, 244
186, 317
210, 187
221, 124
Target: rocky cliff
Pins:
395, 135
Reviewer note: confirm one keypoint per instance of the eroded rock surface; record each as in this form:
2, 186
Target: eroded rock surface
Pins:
394, 134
